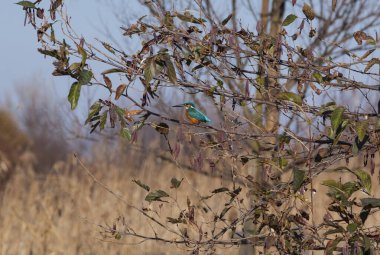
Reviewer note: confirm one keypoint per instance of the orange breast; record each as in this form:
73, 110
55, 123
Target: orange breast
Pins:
191, 119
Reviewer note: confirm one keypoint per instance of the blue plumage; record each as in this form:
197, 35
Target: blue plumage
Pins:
194, 115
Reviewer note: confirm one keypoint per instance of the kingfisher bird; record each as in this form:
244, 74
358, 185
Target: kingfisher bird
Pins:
194, 115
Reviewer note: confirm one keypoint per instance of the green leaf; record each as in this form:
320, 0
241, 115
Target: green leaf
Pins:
175, 183
156, 196
188, 17
51, 53
352, 227
27, 4
103, 120
350, 187
298, 178
223, 189
370, 202
364, 178
282, 162
113, 70
290, 96
142, 185
74, 94
318, 77
74, 67
118, 236
289, 20
225, 21
94, 109
335, 187
260, 80
361, 130
85, 77
337, 118
126, 133
83, 53
364, 213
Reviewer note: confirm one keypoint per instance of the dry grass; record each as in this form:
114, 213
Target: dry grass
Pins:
57, 213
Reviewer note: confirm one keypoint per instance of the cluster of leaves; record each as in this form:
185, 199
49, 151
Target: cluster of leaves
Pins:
349, 230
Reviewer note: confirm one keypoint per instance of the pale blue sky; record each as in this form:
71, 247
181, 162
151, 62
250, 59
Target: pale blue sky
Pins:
20, 63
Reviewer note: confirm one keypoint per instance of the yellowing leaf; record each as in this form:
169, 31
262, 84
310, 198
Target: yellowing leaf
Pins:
74, 94
364, 178
103, 120
94, 109
126, 133
361, 130
337, 118
318, 77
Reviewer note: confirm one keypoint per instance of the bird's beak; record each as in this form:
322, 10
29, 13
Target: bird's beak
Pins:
178, 105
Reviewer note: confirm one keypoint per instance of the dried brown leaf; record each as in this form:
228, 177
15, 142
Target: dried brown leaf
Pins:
308, 11
107, 81
119, 91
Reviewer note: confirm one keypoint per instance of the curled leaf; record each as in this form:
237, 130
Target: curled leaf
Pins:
142, 185
156, 196
371, 63
308, 11
175, 183
337, 118
129, 114
359, 36
119, 91
107, 81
